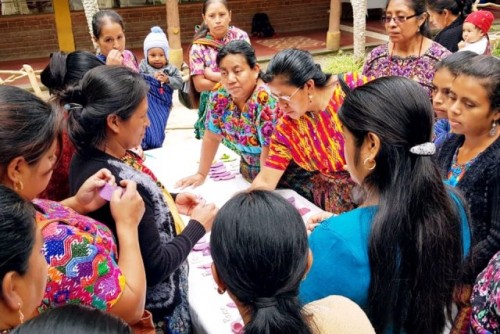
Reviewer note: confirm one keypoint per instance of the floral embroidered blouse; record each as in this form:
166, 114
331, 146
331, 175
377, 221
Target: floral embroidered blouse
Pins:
379, 63
249, 129
314, 141
485, 299
201, 56
82, 258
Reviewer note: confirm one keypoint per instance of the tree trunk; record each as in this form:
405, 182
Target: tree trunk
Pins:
359, 13
91, 7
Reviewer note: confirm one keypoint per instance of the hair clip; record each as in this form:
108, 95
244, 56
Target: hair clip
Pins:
424, 149
72, 106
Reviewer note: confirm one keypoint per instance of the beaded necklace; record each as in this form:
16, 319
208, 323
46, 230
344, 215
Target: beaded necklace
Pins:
412, 75
457, 170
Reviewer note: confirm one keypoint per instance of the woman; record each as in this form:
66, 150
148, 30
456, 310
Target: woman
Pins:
62, 71
108, 116
469, 157
449, 15
74, 319
400, 253
23, 270
243, 112
89, 272
211, 36
410, 52
261, 225
109, 35
309, 133
446, 72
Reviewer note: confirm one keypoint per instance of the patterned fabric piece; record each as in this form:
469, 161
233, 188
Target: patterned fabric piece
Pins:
82, 258
129, 60
159, 107
421, 69
315, 140
486, 299
248, 129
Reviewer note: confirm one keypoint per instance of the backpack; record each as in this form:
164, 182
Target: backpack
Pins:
261, 26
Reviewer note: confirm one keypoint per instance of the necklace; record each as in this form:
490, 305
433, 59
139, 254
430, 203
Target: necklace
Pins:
412, 75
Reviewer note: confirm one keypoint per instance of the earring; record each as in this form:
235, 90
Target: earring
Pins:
21, 315
18, 186
493, 130
367, 161
310, 98
221, 291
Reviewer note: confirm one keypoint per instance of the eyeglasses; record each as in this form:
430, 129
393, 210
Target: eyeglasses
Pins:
285, 98
397, 19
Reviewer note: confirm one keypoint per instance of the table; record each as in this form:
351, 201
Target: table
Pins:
210, 312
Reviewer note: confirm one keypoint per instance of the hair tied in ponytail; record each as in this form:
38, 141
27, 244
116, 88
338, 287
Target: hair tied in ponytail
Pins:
265, 302
73, 106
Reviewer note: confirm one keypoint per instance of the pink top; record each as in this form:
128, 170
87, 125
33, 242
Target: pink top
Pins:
201, 56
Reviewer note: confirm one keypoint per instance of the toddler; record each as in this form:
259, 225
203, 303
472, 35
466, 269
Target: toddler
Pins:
163, 78
475, 32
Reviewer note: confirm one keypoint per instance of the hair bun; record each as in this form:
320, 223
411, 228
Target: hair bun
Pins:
73, 95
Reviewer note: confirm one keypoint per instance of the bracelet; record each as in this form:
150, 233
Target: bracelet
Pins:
204, 175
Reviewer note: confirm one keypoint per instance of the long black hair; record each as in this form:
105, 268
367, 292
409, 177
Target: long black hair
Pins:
17, 233
415, 246
28, 128
456, 7
103, 91
260, 251
67, 69
100, 18
296, 67
74, 319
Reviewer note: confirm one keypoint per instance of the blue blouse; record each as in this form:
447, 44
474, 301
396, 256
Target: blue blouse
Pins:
341, 265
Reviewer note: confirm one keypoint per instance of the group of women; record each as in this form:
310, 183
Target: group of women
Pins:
293, 126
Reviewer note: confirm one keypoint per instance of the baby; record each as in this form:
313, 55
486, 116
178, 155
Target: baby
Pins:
475, 32
155, 62
163, 78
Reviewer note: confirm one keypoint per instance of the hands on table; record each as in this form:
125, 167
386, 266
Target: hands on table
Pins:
197, 208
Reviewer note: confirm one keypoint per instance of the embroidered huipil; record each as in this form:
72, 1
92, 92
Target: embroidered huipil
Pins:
379, 63
82, 258
247, 130
314, 141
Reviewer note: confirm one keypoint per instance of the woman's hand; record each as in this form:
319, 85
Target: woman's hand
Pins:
114, 57
194, 180
317, 219
205, 214
186, 202
87, 198
127, 206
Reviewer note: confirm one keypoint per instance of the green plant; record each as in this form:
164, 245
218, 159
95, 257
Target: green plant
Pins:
343, 62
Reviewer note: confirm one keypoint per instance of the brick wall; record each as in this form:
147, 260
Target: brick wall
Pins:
35, 35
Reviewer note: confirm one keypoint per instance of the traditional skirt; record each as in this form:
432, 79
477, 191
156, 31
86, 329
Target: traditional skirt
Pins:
333, 193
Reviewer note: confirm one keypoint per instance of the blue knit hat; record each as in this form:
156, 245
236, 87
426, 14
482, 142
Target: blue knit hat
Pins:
156, 39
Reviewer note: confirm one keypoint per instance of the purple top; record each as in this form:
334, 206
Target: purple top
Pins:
421, 69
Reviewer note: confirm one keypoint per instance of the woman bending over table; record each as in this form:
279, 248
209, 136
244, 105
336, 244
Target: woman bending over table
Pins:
309, 133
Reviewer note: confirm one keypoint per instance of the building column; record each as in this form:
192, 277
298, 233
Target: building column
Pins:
333, 34
174, 33
64, 27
